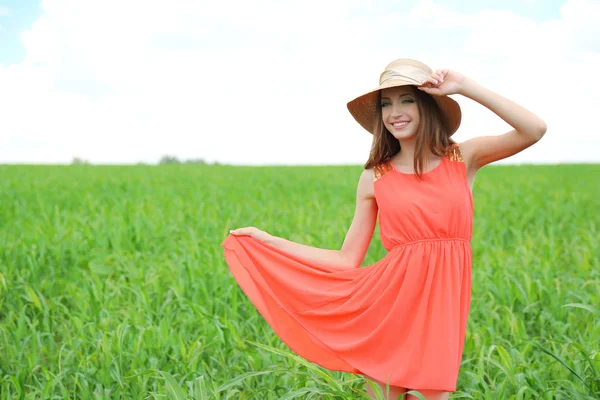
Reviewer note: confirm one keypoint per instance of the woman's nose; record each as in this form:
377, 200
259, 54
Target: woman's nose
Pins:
396, 111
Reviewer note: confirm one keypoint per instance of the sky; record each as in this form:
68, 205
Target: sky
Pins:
266, 82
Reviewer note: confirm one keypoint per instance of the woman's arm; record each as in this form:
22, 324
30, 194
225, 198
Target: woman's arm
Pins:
528, 127
332, 258
482, 150
356, 242
358, 237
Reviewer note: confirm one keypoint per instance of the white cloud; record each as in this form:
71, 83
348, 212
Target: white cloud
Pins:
223, 81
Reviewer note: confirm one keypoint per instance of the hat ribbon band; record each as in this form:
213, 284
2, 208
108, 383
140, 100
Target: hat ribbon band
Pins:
406, 73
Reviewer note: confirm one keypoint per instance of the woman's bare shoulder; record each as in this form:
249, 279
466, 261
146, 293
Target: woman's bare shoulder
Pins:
366, 181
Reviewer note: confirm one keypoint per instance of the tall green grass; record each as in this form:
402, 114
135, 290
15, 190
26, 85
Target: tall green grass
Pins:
113, 284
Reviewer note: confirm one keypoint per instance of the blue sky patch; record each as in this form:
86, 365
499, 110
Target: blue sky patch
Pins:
16, 16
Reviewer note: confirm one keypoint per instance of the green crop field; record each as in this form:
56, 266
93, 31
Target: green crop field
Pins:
113, 283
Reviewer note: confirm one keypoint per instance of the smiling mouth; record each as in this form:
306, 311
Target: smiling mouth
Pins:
400, 124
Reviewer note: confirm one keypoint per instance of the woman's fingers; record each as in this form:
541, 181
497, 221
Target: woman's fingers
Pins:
434, 79
430, 90
243, 231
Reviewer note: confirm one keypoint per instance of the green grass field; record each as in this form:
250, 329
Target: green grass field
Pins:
113, 284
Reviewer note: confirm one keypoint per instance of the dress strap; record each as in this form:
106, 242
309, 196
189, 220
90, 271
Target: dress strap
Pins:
381, 169
454, 153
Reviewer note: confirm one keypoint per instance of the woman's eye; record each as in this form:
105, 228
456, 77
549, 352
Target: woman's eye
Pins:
403, 101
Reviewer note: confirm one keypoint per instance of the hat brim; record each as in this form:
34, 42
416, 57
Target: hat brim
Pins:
364, 107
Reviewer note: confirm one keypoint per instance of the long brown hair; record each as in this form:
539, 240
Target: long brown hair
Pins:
432, 134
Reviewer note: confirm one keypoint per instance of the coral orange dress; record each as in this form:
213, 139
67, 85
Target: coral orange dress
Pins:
401, 320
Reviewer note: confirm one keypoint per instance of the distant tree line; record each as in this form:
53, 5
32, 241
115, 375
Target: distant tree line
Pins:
166, 159
78, 161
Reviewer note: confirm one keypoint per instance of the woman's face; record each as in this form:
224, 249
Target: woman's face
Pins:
399, 111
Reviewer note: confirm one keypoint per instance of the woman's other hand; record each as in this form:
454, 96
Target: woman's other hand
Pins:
443, 82
251, 231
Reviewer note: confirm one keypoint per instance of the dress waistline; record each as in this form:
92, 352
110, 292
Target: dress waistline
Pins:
448, 239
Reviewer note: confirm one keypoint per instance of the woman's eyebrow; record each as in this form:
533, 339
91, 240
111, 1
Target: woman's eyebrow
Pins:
387, 98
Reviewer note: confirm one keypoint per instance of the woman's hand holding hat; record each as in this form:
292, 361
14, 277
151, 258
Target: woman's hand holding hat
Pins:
443, 82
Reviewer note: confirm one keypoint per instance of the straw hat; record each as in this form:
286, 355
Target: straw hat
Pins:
401, 72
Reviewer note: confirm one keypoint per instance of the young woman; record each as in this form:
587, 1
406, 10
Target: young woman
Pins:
400, 322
